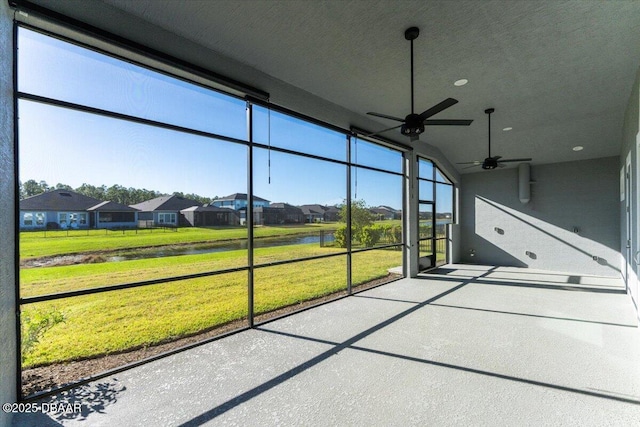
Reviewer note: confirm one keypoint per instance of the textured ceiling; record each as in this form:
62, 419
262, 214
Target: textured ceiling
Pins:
560, 73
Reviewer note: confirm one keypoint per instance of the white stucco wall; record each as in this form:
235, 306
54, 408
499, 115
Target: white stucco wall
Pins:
572, 217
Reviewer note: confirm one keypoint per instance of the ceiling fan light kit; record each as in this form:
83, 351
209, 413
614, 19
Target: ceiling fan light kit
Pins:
413, 124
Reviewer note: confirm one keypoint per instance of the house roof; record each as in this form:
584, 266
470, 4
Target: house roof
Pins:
388, 208
166, 203
240, 196
281, 205
58, 200
278, 207
318, 209
382, 211
313, 209
209, 209
109, 206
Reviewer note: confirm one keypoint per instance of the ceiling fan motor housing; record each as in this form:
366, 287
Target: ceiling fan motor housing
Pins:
490, 163
411, 33
413, 125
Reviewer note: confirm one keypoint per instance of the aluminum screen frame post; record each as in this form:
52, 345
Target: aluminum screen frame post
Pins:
249, 215
348, 219
16, 222
406, 185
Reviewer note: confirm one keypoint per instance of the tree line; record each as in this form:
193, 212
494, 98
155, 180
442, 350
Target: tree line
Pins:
115, 193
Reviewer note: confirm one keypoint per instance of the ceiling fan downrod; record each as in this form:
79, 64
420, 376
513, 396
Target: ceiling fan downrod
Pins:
413, 123
488, 111
411, 34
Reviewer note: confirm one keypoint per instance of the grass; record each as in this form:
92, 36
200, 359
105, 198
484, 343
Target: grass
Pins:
34, 244
116, 321
39, 281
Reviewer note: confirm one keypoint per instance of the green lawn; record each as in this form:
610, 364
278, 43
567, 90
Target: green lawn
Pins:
116, 321
39, 281
35, 244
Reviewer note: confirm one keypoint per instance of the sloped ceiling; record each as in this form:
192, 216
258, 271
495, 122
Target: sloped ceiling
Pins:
558, 72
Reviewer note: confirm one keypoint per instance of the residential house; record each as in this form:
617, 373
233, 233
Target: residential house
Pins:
385, 212
238, 201
278, 213
164, 211
312, 213
320, 213
65, 209
203, 216
331, 213
113, 215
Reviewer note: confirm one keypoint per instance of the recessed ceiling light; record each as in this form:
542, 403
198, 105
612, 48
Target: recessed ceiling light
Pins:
461, 82
578, 148
507, 129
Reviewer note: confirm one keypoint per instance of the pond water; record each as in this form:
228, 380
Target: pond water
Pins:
231, 245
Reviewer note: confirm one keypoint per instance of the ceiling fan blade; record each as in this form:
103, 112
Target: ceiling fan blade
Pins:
470, 163
384, 116
383, 130
472, 166
448, 122
514, 160
438, 107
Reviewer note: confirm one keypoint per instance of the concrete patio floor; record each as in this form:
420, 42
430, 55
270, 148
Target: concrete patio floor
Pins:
465, 345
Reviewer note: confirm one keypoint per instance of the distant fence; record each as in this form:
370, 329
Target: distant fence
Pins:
75, 232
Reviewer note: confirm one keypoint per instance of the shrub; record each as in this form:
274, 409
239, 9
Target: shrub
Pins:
370, 235
340, 236
391, 233
425, 230
396, 234
34, 324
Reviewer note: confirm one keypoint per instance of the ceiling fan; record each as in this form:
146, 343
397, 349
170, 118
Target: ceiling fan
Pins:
413, 125
491, 162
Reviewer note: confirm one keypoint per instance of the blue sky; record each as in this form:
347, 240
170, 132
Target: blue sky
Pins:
70, 147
